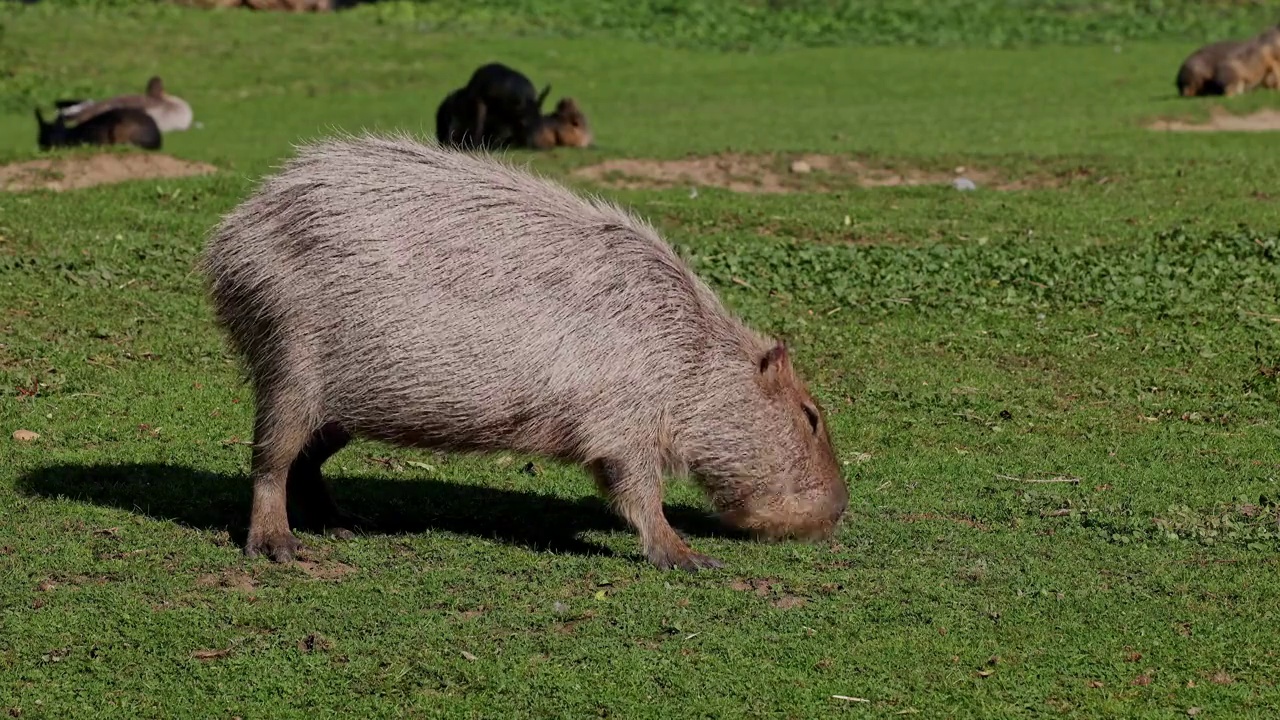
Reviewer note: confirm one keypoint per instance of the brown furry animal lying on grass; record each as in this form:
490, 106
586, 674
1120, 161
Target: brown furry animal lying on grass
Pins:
566, 126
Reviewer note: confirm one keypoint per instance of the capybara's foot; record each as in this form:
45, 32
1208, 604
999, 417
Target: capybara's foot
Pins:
684, 559
280, 547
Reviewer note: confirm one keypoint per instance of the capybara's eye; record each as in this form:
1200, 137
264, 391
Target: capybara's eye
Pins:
811, 413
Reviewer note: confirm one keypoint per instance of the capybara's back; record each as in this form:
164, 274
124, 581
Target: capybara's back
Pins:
386, 288
1246, 66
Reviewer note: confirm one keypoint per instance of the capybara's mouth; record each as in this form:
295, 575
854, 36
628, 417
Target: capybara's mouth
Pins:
778, 524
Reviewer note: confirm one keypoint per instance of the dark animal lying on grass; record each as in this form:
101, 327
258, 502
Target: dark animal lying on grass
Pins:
388, 289
169, 111
123, 126
498, 108
1232, 67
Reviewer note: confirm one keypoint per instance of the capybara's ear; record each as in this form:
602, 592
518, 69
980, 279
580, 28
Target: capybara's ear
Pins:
775, 364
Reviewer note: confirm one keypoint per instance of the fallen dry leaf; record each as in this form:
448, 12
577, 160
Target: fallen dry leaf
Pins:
1142, 680
25, 435
1133, 657
787, 602
1094, 683
46, 585
210, 654
1193, 711
1221, 678
986, 673
468, 656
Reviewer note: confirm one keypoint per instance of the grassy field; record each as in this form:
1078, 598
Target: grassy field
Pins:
1056, 405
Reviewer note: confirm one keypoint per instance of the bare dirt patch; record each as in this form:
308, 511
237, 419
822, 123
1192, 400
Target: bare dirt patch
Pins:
332, 570
228, 579
72, 173
776, 174
1220, 120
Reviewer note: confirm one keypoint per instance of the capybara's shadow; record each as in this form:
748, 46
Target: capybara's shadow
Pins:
216, 501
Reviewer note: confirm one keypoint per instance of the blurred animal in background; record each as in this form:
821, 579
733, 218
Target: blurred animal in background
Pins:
121, 126
498, 108
1253, 64
1232, 67
169, 111
566, 126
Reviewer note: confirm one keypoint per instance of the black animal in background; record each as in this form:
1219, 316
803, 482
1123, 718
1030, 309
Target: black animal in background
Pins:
122, 126
498, 108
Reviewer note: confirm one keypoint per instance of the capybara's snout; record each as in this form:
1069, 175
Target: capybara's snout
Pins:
810, 515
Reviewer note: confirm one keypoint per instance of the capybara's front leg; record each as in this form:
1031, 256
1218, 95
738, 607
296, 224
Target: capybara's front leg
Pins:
635, 492
308, 491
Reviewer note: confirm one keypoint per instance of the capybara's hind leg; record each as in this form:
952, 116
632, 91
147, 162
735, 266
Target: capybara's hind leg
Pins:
636, 494
279, 436
308, 490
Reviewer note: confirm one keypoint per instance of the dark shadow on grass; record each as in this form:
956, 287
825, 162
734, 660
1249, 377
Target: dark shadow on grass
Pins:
215, 501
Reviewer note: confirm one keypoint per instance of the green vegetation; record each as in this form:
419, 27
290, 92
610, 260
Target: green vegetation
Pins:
1056, 405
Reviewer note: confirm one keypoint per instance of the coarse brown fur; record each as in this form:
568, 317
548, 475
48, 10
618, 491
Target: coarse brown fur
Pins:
385, 288
122, 126
1196, 75
1253, 64
1232, 67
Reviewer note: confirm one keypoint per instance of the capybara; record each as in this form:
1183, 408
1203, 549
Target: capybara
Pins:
123, 126
566, 126
1253, 64
512, 107
460, 120
385, 288
497, 109
169, 111
1196, 75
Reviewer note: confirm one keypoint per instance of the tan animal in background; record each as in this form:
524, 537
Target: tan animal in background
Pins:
1251, 65
1232, 67
1196, 76
566, 126
169, 111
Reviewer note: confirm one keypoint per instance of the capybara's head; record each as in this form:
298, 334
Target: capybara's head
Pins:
572, 130
788, 484
155, 87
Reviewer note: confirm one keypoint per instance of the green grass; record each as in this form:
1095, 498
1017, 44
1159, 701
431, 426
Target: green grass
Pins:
1122, 332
